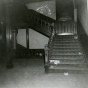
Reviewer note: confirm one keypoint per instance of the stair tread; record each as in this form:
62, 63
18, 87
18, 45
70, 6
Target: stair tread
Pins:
77, 52
70, 54
65, 44
68, 50
68, 68
66, 47
74, 58
70, 63
85, 71
69, 60
66, 41
66, 36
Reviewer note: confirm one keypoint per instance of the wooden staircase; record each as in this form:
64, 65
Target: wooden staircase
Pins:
64, 52
66, 55
40, 22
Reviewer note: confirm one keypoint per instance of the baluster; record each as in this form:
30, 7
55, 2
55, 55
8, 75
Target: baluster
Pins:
52, 25
68, 27
48, 27
65, 28
35, 19
38, 22
60, 27
41, 22
46, 58
44, 24
46, 54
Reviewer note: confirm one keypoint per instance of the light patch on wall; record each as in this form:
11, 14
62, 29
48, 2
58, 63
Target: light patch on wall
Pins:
47, 8
21, 37
37, 40
82, 13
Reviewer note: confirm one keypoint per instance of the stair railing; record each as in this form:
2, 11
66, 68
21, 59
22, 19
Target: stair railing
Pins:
48, 46
51, 36
75, 16
46, 55
40, 22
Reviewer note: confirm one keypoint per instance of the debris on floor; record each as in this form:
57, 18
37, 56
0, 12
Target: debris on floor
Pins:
66, 73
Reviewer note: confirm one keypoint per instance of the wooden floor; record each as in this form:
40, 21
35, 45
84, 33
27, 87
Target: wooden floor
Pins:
29, 73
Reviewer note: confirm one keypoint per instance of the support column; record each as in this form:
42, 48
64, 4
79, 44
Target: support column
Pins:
9, 55
14, 38
75, 16
14, 42
27, 38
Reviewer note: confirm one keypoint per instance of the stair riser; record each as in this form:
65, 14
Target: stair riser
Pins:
58, 44
69, 65
68, 71
67, 53
64, 61
68, 56
61, 58
66, 46
66, 39
71, 49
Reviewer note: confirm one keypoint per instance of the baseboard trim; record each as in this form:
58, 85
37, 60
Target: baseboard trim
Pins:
30, 53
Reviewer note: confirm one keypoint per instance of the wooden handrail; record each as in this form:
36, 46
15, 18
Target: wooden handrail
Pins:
41, 16
46, 55
44, 24
48, 46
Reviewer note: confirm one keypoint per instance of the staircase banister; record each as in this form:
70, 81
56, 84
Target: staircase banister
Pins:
46, 54
41, 16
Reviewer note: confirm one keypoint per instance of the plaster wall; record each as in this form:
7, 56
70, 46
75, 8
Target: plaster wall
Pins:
83, 13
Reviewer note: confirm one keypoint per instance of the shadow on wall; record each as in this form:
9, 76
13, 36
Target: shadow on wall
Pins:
36, 40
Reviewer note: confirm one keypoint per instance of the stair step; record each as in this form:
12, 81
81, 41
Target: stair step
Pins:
67, 71
62, 66
67, 52
67, 57
70, 54
66, 49
67, 61
65, 36
68, 67
67, 46
65, 40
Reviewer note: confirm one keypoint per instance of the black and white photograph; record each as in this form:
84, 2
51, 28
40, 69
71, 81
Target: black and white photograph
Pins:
43, 43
